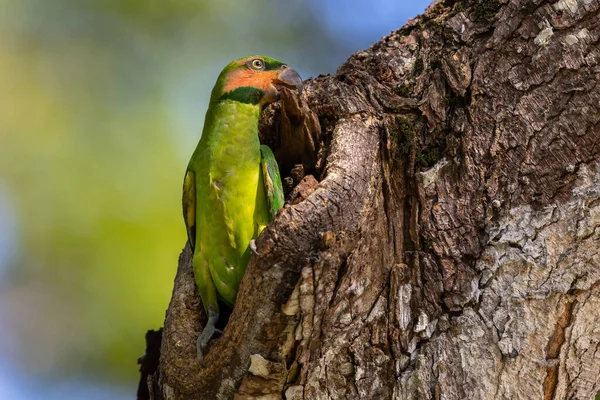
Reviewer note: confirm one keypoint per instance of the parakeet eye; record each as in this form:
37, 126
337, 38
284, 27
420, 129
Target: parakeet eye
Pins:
257, 64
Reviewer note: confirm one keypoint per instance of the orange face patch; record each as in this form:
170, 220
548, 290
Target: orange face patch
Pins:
262, 80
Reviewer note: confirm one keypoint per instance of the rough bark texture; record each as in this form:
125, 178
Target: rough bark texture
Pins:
446, 245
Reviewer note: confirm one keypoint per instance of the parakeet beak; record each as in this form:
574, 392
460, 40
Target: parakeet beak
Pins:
289, 78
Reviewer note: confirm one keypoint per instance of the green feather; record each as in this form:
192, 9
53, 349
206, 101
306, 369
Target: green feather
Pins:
271, 64
230, 208
272, 181
231, 192
244, 94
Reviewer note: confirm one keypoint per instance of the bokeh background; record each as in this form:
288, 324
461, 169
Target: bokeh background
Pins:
101, 106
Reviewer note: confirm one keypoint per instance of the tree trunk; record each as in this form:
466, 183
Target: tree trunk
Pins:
451, 247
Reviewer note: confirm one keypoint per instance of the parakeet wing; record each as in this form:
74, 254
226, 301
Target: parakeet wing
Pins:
189, 206
272, 181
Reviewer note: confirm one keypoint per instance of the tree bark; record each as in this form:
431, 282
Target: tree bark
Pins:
451, 246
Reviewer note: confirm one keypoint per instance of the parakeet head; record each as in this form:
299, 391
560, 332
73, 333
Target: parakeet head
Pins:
254, 80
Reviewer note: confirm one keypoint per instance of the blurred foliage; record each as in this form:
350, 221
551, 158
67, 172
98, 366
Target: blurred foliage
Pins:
94, 179
101, 105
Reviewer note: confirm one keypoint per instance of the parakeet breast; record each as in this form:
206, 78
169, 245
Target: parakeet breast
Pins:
231, 205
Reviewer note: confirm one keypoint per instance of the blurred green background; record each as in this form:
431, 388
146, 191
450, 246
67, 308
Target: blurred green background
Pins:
101, 105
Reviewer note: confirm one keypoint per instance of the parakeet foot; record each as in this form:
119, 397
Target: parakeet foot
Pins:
252, 246
207, 333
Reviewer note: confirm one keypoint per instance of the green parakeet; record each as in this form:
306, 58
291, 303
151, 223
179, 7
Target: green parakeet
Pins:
232, 188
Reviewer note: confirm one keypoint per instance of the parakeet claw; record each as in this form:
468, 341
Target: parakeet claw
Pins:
252, 246
207, 333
